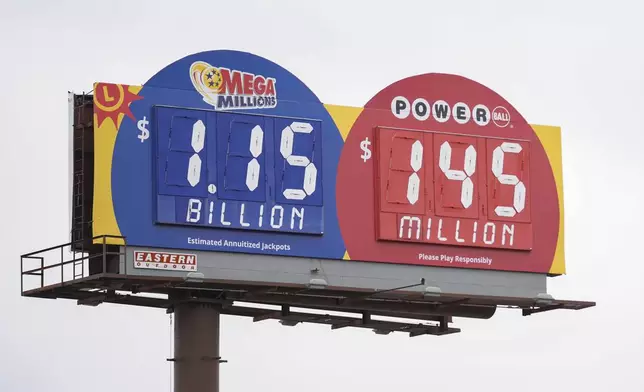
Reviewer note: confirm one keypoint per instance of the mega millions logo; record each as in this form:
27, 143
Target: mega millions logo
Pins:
226, 88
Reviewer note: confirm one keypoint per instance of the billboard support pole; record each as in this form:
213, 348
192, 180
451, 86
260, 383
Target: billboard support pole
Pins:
196, 347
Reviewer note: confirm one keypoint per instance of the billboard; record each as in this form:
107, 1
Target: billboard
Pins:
225, 151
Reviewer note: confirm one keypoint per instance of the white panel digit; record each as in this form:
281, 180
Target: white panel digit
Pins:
198, 136
519, 196
294, 194
310, 177
411, 220
194, 169
445, 161
197, 143
281, 217
508, 179
413, 188
416, 162
194, 207
416, 155
255, 147
256, 141
252, 174
310, 171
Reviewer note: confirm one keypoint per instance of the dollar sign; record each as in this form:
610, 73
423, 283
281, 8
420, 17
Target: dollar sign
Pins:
142, 124
364, 146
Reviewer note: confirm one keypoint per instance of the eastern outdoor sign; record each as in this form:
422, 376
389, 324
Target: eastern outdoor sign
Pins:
226, 151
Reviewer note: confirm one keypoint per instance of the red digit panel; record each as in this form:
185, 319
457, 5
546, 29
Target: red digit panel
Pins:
508, 188
404, 174
456, 171
402, 162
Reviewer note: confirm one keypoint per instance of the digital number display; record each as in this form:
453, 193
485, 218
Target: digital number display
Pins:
453, 189
238, 171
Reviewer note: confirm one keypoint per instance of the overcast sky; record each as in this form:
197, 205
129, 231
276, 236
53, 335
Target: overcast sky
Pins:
577, 64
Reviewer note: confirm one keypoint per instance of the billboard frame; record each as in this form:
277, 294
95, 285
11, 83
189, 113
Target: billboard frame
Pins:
118, 287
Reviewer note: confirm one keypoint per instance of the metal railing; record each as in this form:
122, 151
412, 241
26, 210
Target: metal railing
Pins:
73, 264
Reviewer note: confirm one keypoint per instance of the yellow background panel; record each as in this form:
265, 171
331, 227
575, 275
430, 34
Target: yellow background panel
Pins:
344, 117
550, 137
104, 219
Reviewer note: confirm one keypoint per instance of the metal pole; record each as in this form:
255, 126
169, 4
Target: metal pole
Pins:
196, 347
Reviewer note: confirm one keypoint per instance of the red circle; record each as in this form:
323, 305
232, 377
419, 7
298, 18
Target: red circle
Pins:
357, 187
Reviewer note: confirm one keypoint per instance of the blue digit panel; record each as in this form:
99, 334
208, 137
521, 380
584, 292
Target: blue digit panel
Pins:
181, 151
219, 170
241, 145
298, 161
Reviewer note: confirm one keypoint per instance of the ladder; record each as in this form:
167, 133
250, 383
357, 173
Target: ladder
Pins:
80, 222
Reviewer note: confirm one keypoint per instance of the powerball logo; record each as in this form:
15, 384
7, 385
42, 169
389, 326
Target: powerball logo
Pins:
225, 88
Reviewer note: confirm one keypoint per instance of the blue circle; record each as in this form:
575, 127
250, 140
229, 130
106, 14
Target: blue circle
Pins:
133, 190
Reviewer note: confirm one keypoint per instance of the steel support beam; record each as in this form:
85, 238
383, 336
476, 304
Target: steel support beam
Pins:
196, 347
